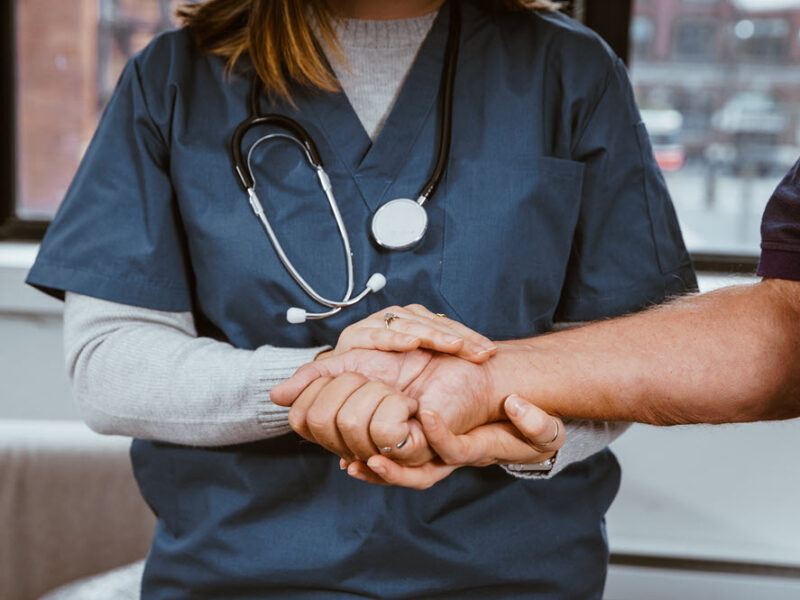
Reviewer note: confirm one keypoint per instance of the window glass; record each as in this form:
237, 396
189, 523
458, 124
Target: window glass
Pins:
718, 82
69, 56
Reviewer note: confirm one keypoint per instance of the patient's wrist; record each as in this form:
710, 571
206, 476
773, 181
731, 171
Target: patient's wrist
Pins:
506, 374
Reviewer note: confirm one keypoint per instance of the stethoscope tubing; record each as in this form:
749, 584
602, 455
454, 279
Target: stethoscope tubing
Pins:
298, 136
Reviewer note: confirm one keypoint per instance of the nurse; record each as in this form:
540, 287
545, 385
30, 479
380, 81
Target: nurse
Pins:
549, 207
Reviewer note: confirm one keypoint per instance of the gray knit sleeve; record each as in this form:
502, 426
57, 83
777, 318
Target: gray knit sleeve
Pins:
144, 373
582, 440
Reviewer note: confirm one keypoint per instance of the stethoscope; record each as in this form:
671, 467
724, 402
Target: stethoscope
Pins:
399, 224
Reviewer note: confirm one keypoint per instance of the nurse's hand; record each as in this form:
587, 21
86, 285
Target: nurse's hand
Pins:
526, 438
412, 327
348, 415
332, 410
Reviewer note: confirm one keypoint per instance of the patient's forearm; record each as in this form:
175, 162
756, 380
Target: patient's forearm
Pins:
730, 355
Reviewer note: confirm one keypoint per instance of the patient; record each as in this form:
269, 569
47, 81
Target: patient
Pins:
727, 356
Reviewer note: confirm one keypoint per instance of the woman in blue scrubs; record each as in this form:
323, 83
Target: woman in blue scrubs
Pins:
551, 208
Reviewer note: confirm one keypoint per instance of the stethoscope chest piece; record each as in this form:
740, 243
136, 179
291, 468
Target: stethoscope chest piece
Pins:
399, 224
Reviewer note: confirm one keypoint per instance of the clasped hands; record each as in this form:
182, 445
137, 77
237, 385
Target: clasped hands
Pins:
408, 404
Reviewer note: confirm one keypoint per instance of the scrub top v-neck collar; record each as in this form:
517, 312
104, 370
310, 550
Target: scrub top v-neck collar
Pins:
375, 165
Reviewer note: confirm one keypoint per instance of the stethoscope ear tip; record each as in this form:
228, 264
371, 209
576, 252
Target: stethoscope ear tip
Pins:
376, 282
296, 315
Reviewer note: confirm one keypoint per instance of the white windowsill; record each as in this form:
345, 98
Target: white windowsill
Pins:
16, 297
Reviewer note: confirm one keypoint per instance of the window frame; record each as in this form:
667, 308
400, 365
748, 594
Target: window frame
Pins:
610, 18
11, 226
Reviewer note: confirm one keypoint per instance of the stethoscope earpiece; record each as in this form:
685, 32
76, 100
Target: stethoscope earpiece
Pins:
296, 315
399, 224
376, 282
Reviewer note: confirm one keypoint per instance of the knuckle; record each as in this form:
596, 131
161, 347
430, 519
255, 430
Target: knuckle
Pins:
296, 419
415, 307
349, 378
381, 430
451, 459
316, 420
347, 421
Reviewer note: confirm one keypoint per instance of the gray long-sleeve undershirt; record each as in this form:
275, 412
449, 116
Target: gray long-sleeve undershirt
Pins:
144, 373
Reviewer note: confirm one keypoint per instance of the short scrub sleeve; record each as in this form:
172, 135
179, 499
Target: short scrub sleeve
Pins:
117, 235
627, 251
780, 230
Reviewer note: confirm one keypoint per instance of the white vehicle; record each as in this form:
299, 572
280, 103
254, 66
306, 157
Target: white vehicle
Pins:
664, 127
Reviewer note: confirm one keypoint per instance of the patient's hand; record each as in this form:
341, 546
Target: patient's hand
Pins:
529, 436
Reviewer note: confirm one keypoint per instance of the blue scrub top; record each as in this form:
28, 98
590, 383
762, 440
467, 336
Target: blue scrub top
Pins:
552, 207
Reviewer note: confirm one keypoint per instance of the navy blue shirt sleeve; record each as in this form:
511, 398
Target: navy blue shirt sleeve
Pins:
780, 230
627, 251
117, 235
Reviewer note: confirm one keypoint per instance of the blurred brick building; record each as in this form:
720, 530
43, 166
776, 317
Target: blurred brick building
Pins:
69, 56
700, 57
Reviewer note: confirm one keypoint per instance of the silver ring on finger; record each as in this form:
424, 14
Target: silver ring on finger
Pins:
398, 446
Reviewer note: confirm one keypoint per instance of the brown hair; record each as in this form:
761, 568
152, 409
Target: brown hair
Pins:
278, 37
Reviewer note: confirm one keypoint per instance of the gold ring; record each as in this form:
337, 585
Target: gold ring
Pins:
388, 318
555, 437
434, 317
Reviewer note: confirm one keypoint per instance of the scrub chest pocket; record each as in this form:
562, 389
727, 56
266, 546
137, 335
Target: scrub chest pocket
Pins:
507, 238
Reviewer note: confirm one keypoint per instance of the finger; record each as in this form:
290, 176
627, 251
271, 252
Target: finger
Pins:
543, 431
372, 333
419, 478
436, 333
375, 338
358, 470
287, 391
389, 426
355, 415
477, 348
321, 414
297, 414
414, 451
494, 443
452, 449
434, 337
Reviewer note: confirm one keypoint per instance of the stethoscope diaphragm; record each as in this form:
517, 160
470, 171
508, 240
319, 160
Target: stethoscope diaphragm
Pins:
399, 224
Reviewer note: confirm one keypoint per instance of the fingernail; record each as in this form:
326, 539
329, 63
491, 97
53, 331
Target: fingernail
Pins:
342, 464
481, 350
515, 406
451, 339
353, 470
379, 469
409, 339
429, 420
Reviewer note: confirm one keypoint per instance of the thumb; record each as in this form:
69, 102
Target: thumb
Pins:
286, 392
543, 431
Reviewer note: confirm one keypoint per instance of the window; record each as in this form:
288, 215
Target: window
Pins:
68, 55
695, 39
719, 89
762, 40
642, 35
